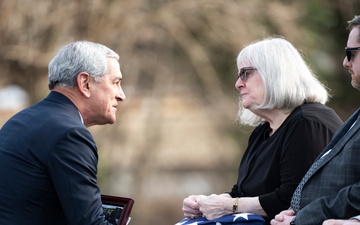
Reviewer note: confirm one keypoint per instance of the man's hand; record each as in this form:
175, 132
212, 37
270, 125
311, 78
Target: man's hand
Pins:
283, 218
341, 222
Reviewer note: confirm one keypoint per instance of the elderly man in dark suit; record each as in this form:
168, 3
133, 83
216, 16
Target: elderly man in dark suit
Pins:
48, 158
331, 187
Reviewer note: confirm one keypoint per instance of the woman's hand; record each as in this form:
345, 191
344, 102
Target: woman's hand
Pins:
215, 206
191, 206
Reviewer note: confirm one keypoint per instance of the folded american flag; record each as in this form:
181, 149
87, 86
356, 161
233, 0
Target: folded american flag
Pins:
234, 219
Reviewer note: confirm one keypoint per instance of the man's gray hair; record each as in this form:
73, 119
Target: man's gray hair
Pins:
77, 57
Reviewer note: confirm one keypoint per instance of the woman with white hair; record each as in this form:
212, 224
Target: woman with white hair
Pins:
285, 102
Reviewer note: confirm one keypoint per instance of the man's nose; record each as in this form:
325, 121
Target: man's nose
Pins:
120, 94
346, 62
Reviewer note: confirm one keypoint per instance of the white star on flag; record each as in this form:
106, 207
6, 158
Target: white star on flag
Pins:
243, 215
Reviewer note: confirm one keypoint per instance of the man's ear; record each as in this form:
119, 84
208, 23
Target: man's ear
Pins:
83, 83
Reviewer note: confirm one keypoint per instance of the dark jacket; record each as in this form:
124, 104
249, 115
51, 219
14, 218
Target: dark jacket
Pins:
48, 167
272, 167
332, 192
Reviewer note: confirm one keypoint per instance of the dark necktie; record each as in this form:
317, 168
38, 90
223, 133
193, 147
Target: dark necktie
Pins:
295, 201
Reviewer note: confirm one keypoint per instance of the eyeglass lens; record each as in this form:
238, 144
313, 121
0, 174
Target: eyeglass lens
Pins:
349, 53
243, 75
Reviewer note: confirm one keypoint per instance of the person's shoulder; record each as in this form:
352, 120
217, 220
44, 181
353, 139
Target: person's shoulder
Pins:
319, 114
314, 106
60, 109
59, 116
316, 110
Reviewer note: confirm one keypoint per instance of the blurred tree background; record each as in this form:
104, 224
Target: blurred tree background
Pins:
176, 133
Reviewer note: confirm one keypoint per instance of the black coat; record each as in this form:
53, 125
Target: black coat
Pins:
272, 167
48, 167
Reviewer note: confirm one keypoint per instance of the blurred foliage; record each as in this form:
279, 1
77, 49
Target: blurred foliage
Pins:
193, 40
178, 61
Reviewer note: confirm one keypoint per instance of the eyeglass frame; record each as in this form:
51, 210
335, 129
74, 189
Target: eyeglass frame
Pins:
348, 52
243, 72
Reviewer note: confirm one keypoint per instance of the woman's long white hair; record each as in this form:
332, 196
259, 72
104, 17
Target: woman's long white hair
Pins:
288, 81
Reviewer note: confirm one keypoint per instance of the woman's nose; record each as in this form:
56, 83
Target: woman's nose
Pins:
239, 84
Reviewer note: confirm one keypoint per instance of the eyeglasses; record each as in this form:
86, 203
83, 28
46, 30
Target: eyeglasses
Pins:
349, 53
243, 74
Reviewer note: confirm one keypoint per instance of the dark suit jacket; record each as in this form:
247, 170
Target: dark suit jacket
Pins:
48, 167
333, 191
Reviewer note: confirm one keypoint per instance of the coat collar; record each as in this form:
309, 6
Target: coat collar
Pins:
64, 101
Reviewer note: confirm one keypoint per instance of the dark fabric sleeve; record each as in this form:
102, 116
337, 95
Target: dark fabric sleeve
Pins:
303, 141
234, 192
344, 205
73, 168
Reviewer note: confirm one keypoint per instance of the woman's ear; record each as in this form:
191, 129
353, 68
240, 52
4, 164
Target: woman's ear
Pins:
83, 83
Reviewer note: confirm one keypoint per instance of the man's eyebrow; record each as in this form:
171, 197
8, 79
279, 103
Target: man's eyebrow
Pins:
117, 78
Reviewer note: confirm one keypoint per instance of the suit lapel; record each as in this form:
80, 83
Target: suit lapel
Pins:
341, 138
